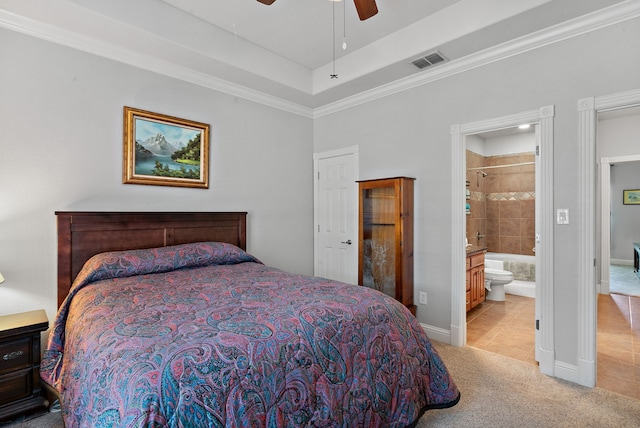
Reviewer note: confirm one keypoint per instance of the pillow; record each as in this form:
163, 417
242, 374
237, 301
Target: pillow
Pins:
118, 264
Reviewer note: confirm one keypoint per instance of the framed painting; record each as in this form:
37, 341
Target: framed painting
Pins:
164, 150
631, 197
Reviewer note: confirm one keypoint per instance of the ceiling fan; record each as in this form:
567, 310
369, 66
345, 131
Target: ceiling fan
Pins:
366, 8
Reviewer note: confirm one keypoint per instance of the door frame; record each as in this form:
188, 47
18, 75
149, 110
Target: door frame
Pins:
588, 109
317, 157
544, 117
603, 282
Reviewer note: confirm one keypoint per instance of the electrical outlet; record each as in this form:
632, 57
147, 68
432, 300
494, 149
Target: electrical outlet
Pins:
423, 298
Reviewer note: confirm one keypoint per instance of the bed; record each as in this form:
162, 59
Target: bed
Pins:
165, 320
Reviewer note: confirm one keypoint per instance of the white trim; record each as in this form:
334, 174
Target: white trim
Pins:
588, 109
586, 245
458, 327
567, 371
544, 249
621, 262
603, 285
353, 150
436, 333
544, 243
618, 159
603, 18
591, 22
139, 60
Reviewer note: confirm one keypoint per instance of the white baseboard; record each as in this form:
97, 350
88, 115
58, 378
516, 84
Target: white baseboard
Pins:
547, 362
436, 333
548, 365
583, 374
586, 373
621, 262
566, 371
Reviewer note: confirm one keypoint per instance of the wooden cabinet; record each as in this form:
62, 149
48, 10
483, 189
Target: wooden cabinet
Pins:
475, 280
20, 362
385, 243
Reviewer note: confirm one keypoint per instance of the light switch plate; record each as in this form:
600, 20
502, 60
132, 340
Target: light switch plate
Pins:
563, 216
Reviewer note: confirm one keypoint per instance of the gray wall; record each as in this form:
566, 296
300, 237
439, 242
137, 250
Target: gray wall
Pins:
61, 149
409, 134
61, 142
625, 219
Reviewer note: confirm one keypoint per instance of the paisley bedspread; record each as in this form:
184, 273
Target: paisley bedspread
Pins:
204, 335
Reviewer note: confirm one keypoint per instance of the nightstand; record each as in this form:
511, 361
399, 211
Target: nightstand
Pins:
20, 389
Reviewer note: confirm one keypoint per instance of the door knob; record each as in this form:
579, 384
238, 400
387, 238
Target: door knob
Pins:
348, 242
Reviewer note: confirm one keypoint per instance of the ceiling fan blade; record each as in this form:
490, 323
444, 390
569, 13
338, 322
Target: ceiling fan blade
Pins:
366, 8
267, 2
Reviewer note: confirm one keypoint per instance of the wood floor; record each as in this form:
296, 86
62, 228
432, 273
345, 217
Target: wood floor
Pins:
507, 328
619, 344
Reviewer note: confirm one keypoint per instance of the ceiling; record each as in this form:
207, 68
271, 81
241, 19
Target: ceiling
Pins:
285, 53
302, 30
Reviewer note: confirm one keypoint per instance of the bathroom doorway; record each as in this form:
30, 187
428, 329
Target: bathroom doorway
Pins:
542, 119
500, 218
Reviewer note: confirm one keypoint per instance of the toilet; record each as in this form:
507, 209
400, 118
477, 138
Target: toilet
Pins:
495, 278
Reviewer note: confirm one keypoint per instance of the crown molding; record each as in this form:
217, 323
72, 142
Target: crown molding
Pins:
21, 24
612, 15
591, 22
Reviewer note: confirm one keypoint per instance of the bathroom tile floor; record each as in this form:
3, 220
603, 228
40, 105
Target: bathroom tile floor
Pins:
507, 328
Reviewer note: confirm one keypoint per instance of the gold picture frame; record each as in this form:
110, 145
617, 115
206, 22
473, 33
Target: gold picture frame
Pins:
164, 150
631, 197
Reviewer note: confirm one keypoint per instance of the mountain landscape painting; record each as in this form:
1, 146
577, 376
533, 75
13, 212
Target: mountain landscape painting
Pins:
179, 157
165, 150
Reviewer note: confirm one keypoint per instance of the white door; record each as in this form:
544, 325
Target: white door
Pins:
336, 231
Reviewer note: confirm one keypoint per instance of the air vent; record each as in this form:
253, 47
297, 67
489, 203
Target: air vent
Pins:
428, 60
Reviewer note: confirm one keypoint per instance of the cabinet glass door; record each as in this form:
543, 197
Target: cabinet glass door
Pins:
379, 222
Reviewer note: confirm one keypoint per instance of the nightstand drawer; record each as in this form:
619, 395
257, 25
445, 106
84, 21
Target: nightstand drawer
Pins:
16, 386
15, 354
20, 336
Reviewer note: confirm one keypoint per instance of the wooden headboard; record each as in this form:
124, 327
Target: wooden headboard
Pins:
82, 235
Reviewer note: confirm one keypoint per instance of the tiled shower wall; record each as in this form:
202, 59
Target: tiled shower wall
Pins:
502, 203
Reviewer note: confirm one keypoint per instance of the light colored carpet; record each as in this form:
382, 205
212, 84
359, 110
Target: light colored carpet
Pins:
498, 391
501, 392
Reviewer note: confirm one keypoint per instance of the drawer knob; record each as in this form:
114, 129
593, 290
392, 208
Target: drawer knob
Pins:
12, 355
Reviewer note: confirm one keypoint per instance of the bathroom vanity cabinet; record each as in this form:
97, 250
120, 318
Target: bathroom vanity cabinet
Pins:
475, 279
385, 232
